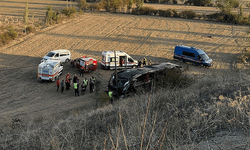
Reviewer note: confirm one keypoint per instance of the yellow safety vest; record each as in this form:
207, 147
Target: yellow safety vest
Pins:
110, 93
85, 82
75, 85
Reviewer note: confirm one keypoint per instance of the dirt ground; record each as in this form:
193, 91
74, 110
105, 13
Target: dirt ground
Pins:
24, 97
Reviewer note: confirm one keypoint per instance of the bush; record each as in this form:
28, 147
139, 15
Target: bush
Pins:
30, 29
174, 1
5, 38
174, 79
94, 7
12, 33
147, 11
52, 16
189, 14
198, 2
167, 13
82, 4
69, 11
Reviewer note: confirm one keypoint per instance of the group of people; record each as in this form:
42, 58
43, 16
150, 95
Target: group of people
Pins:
144, 62
76, 84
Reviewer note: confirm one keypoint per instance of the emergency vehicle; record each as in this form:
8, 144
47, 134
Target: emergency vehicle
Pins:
87, 63
123, 60
49, 70
193, 55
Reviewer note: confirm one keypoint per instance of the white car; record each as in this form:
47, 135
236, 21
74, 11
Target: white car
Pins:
63, 55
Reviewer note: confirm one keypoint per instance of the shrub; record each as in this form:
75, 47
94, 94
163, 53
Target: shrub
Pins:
189, 14
174, 79
5, 38
174, 1
82, 4
30, 29
198, 2
69, 11
147, 11
166, 13
52, 16
12, 33
103, 4
245, 57
94, 7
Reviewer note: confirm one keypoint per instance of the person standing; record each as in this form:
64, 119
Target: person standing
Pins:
67, 82
81, 72
75, 78
62, 86
57, 84
85, 82
144, 61
92, 84
76, 87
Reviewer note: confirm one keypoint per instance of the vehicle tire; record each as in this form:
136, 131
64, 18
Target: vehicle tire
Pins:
182, 61
202, 65
67, 60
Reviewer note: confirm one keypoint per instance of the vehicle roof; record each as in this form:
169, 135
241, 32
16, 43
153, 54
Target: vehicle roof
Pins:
51, 63
87, 59
200, 51
134, 73
60, 50
112, 52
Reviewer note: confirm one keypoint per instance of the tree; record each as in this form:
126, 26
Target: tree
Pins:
26, 16
130, 3
116, 4
82, 4
227, 5
49, 14
139, 4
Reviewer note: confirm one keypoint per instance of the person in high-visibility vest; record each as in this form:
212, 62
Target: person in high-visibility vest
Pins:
76, 87
111, 96
85, 83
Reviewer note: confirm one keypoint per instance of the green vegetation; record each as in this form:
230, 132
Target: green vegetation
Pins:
69, 11
51, 16
26, 15
227, 5
30, 29
8, 36
189, 14
198, 2
82, 4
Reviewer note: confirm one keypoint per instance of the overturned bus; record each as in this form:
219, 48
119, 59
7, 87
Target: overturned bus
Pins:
131, 80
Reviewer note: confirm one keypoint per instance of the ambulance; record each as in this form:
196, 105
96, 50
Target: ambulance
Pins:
89, 64
49, 70
123, 60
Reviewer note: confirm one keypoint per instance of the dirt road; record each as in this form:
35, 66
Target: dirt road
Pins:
24, 97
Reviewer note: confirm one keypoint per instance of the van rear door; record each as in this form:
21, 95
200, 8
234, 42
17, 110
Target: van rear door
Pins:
112, 62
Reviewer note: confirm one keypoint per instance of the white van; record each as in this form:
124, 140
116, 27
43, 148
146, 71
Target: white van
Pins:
63, 55
123, 60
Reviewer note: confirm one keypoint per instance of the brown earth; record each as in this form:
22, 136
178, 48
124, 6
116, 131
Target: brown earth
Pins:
24, 97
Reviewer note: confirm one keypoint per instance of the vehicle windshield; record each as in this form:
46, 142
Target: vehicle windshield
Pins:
50, 54
204, 57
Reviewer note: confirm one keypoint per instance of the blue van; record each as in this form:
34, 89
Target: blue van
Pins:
193, 55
